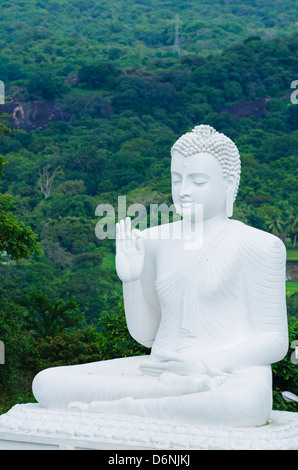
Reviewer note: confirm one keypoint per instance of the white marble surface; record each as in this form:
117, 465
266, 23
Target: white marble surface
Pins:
209, 303
29, 426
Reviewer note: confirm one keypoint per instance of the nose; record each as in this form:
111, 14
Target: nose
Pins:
184, 189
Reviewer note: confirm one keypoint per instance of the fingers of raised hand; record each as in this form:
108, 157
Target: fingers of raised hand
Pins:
123, 234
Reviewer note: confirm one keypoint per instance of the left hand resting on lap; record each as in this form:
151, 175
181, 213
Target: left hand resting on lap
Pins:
173, 362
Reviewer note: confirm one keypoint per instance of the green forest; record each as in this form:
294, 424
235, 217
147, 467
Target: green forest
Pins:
96, 93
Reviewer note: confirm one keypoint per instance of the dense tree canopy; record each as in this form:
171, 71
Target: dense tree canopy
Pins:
17, 240
122, 96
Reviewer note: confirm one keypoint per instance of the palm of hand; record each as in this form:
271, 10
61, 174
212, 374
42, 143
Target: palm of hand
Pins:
130, 251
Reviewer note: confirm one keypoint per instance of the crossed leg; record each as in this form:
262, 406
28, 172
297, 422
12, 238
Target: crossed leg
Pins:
117, 386
109, 381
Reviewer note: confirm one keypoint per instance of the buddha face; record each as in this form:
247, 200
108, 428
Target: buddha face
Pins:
198, 179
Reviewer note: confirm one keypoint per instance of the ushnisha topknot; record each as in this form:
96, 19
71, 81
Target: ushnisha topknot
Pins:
204, 138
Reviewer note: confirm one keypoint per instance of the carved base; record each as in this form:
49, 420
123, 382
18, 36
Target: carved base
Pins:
29, 427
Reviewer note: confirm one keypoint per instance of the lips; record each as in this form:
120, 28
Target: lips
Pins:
185, 202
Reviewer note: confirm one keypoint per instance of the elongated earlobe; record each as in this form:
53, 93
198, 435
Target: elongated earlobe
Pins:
229, 202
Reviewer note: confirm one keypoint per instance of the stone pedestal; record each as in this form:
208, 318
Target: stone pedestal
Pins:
31, 427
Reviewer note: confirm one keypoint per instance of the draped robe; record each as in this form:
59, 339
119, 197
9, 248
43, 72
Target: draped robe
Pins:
224, 294
224, 305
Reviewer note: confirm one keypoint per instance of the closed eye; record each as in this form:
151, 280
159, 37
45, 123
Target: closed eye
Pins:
200, 182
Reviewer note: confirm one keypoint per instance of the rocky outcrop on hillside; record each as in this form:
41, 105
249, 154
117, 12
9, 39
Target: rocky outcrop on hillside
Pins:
245, 108
35, 114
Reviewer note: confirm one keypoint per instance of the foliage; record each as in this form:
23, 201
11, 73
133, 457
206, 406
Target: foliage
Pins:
97, 75
115, 338
129, 95
17, 240
65, 348
45, 334
285, 374
5, 129
45, 85
38, 333
61, 34
46, 318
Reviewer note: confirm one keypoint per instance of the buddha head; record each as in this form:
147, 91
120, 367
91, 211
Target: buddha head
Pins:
205, 170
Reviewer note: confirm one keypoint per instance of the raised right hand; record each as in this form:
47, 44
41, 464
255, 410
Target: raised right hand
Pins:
130, 251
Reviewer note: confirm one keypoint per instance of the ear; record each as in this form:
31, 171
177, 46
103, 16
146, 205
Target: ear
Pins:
230, 189
230, 180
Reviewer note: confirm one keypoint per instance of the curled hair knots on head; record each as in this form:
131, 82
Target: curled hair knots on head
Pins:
204, 138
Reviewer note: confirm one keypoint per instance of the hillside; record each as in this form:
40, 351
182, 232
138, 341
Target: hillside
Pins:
97, 95
64, 34
109, 133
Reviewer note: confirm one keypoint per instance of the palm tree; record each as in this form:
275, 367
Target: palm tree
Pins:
275, 224
293, 227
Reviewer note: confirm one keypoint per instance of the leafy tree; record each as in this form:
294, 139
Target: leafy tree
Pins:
293, 227
232, 91
274, 220
46, 317
71, 187
75, 234
56, 254
90, 105
17, 240
115, 337
5, 129
97, 75
125, 113
67, 347
17, 344
285, 374
45, 85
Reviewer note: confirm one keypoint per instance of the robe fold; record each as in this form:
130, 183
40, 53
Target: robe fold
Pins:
225, 305
225, 294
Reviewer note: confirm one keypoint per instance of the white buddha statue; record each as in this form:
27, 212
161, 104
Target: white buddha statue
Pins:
214, 316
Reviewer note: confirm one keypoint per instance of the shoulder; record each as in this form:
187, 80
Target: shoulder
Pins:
261, 242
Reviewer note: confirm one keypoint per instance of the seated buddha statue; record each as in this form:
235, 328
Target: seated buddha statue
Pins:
209, 302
